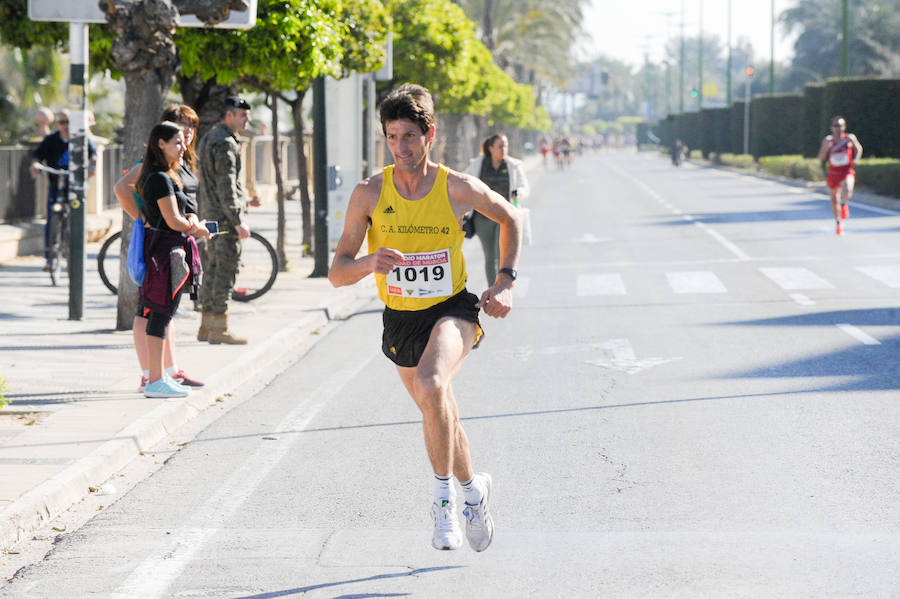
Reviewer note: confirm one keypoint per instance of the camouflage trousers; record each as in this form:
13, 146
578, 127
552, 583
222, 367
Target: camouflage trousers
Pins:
221, 260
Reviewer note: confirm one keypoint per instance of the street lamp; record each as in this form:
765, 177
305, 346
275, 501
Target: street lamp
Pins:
728, 71
845, 42
772, 52
700, 58
747, 110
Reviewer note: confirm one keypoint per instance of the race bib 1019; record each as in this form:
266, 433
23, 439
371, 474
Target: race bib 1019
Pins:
422, 275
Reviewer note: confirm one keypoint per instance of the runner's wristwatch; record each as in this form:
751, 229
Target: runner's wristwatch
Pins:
510, 272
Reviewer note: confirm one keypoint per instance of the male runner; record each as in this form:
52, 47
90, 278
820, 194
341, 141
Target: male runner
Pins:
841, 149
411, 213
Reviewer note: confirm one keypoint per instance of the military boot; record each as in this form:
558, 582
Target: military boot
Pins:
219, 332
205, 326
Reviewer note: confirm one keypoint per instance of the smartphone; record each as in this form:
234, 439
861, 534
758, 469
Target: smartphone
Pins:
212, 227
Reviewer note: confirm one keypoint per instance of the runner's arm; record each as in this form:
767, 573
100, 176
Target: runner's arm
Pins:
346, 268
823, 148
857, 147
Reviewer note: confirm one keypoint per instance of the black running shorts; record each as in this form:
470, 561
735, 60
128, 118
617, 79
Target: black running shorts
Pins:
406, 332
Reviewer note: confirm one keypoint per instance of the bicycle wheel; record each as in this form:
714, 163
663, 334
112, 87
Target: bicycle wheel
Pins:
258, 268
109, 261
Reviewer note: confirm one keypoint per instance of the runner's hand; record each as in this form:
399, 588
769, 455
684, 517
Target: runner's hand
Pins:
386, 259
496, 301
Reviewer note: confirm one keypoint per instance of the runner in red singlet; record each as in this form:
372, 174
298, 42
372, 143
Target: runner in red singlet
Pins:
841, 149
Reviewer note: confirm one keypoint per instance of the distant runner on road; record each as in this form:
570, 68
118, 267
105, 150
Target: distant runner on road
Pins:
412, 214
841, 149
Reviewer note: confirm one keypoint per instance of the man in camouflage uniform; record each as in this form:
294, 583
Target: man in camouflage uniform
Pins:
221, 197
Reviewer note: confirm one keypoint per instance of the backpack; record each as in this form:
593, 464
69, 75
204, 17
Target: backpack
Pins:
137, 267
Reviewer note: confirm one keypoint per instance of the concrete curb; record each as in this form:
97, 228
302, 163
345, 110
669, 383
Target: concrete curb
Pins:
55, 496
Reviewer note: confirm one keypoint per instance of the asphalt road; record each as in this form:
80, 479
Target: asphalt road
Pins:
695, 395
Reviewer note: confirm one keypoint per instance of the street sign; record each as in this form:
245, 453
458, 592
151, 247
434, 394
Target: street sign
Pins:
710, 90
88, 11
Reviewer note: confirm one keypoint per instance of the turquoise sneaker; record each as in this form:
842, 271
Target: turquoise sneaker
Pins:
176, 384
164, 387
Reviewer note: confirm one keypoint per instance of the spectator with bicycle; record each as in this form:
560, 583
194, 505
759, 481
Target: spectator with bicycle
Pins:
221, 197
54, 152
170, 248
124, 189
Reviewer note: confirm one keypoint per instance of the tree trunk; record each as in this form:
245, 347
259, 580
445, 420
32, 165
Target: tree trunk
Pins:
302, 173
279, 186
145, 52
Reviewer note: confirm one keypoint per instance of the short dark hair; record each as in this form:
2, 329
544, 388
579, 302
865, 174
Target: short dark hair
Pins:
409, 101
837, 118
233, 103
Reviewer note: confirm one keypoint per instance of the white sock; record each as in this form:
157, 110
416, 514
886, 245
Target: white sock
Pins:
145, 374
473, 492
172, 370
443, 488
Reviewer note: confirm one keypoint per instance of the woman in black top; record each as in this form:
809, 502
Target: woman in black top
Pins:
130, 202
170, 250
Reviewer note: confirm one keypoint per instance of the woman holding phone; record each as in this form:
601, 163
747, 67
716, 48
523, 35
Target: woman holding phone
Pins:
130, 202
170, 250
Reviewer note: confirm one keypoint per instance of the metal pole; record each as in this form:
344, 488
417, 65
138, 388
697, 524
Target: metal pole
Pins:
845, 40
320, 180
681, 65
78, 159
369, 123
728, 70
772, 52
700, 60
747, 116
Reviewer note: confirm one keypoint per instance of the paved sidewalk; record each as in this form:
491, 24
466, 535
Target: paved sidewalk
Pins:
75, 417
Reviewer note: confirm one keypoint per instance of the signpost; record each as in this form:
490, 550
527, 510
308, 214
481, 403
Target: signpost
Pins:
78, 15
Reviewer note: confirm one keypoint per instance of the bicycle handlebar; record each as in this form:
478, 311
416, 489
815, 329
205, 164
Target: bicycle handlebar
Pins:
51, 170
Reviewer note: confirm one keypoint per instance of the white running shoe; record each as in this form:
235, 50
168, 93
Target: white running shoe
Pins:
447, 534
479, 523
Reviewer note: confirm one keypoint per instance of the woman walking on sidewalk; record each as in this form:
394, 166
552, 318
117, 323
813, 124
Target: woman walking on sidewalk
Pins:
170, 250
130, 202
505, 175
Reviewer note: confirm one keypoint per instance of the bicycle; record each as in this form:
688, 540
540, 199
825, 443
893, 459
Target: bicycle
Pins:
58, 249
258, 266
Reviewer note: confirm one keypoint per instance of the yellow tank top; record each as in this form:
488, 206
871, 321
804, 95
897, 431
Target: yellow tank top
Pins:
427, 232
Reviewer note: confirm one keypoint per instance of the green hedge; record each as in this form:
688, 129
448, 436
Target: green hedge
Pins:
736, 125
737, 160
812, 127
794, 166
881, 175
721, 129
870, 107
705, 133
775, 124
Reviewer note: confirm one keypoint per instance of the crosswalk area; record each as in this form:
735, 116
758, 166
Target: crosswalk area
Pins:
724, 279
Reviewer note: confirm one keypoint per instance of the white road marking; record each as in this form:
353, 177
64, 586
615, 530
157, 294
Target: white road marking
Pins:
606, 284
695, 281
888, 274
731, 247
802, 299
624, 359
857, 334
152, 577
796, 278
591, 238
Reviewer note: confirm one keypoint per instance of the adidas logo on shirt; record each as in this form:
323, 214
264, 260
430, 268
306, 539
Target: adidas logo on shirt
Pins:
389, 210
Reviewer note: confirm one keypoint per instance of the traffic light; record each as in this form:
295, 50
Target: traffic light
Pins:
693, 92
750, 71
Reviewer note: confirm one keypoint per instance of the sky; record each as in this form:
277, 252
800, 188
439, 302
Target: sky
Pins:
627, 29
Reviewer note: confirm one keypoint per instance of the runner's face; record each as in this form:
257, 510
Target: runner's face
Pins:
173, 149
838, 126
407, 144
